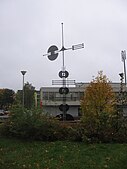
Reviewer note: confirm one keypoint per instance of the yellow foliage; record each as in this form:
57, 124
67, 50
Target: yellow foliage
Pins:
98, 97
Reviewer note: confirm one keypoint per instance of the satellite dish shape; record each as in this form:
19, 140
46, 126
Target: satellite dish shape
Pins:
52, 52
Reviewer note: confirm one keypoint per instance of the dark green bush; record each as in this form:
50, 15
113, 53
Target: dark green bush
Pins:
34, 124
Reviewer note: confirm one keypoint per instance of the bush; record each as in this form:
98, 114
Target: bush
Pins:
34, 124
105, 129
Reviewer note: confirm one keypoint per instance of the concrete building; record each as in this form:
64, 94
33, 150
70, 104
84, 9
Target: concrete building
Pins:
51, 98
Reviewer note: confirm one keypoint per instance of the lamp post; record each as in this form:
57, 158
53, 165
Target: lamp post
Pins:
23, 73
123, 55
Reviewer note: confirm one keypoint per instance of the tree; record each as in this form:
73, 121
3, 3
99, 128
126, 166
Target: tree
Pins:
98, 104
28, 96
6, 98
98, 97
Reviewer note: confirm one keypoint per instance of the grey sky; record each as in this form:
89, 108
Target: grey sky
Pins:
29, 27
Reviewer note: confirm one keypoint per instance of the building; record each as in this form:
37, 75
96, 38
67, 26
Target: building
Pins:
51, 99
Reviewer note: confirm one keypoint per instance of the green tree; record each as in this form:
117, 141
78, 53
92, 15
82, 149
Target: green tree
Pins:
28, 96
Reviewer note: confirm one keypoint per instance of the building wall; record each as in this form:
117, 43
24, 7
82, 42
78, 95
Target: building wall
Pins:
54, 110
51, 99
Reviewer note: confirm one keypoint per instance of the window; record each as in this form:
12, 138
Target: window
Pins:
45, 95
51, 95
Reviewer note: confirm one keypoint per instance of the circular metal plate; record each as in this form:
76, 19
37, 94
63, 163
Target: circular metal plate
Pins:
63, 90
52, 54
64, 107
63, 74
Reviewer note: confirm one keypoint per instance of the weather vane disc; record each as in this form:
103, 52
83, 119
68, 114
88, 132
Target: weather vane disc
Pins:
52, 52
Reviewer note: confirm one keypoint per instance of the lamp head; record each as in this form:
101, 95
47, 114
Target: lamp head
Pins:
121, 75
23, 72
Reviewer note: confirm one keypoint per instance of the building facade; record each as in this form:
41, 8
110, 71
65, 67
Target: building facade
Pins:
51, 99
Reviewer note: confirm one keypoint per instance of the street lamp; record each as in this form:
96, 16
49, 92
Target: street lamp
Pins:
23, 73
123, 55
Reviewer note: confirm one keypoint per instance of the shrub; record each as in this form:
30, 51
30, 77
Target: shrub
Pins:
105, 130
34, 124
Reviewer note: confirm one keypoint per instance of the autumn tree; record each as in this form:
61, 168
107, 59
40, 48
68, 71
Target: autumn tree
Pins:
6, 98
98, 103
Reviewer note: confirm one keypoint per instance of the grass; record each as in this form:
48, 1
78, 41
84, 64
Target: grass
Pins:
19, 154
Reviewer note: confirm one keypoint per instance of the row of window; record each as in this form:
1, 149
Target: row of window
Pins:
54, 96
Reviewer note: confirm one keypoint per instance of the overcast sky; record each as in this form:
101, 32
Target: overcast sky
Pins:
29, 27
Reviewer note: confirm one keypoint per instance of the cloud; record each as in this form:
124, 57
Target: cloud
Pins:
28, 28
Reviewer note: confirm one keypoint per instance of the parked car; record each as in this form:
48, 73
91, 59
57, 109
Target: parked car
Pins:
3, 116
1, 112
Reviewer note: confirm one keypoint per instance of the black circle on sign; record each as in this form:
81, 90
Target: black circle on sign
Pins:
52, 56
63, 74
64, 107
63, 90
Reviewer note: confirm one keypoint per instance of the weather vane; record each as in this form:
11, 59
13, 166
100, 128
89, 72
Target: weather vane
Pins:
52, 54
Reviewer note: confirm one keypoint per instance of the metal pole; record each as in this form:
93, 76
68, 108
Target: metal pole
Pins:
23, 94
62, 45
125, 72
23, 73
123, 54
64, 80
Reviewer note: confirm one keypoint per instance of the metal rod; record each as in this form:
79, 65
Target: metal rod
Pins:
62, 45
125, 72
23, 94
23, 73
123, 55
64, 80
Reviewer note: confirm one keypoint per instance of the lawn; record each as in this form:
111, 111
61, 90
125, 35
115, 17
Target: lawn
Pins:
19, 154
